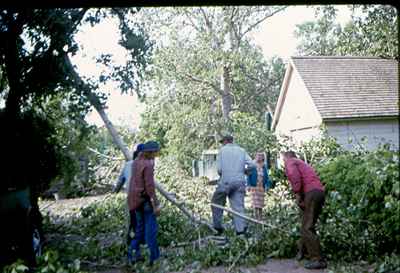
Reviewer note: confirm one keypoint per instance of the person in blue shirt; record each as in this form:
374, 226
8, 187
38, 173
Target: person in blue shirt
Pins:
232, 162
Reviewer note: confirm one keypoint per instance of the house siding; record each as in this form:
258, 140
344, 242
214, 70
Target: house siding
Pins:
350, 133
299, 117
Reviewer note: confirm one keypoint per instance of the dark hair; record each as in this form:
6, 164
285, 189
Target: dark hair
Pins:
226, 138
289, 154
139, 148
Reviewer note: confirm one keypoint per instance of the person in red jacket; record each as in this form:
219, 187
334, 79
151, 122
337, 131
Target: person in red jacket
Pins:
310, 197
143, 204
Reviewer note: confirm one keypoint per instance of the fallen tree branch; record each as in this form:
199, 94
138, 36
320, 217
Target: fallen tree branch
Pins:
93, 264
201, 241
248, 218
103, 155
181, 206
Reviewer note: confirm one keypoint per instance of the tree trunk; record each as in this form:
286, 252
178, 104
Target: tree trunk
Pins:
227, 95
110, 127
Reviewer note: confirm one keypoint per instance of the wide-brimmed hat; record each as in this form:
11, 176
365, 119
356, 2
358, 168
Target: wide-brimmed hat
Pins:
151, 146
227, 138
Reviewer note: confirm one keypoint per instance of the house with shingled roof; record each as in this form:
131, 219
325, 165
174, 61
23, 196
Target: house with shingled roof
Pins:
355, 98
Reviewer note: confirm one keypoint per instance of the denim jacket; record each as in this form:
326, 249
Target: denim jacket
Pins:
252, 178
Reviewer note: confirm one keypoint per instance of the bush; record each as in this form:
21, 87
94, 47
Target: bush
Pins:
360, 219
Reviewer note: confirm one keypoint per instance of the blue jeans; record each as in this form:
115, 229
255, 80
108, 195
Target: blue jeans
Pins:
145, 231
235, 191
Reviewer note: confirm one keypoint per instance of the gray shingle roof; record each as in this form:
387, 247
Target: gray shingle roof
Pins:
351, 87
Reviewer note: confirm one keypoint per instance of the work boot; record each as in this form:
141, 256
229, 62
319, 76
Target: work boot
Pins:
243, 233
219, 231
320, 264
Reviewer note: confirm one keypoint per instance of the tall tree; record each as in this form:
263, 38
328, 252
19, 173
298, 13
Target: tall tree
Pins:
209, 49
205, 69
319, 37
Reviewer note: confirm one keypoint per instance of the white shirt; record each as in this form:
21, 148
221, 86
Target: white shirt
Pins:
125, 176
231, 163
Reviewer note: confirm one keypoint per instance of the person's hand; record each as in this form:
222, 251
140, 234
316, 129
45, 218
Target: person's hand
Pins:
299, 201
157, 211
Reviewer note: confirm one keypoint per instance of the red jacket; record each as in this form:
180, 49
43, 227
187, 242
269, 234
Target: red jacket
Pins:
302, 176
142, 182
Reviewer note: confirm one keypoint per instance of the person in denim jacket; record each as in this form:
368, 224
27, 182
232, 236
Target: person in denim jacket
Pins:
259, 183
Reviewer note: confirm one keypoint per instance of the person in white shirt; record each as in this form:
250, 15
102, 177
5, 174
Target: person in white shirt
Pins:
232, 162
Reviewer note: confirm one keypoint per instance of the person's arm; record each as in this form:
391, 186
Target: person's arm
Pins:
219, 166
294, 175
267, 180
121, 180
248, 161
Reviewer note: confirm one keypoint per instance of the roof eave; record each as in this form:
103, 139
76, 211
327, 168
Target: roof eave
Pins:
282, 94
361, 118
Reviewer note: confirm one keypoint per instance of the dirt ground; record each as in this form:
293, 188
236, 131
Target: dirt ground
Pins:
272, 266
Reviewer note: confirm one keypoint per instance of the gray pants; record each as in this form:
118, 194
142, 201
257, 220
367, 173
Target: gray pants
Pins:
235, 191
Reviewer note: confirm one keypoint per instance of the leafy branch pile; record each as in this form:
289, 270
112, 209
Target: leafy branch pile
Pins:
361, 219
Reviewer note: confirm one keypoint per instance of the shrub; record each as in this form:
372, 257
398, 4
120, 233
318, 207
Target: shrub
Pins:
360, 219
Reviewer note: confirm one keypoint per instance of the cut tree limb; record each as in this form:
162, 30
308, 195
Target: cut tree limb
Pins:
248, 218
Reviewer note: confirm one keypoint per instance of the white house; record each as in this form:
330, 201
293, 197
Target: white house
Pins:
354, 97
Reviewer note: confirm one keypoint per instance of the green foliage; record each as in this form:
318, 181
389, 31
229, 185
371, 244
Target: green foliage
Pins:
42, 42
49, 262
355, 225
361, 223
185, 111
319, 149
372, 31
319, 37
252, 134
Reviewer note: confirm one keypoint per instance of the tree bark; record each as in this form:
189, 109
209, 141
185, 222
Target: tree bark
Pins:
227, 94
110, 127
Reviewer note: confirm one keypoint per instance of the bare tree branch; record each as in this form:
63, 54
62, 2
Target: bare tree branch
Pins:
213, 85
210, 28
103, 155
189, 17
251, 27
248, 218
